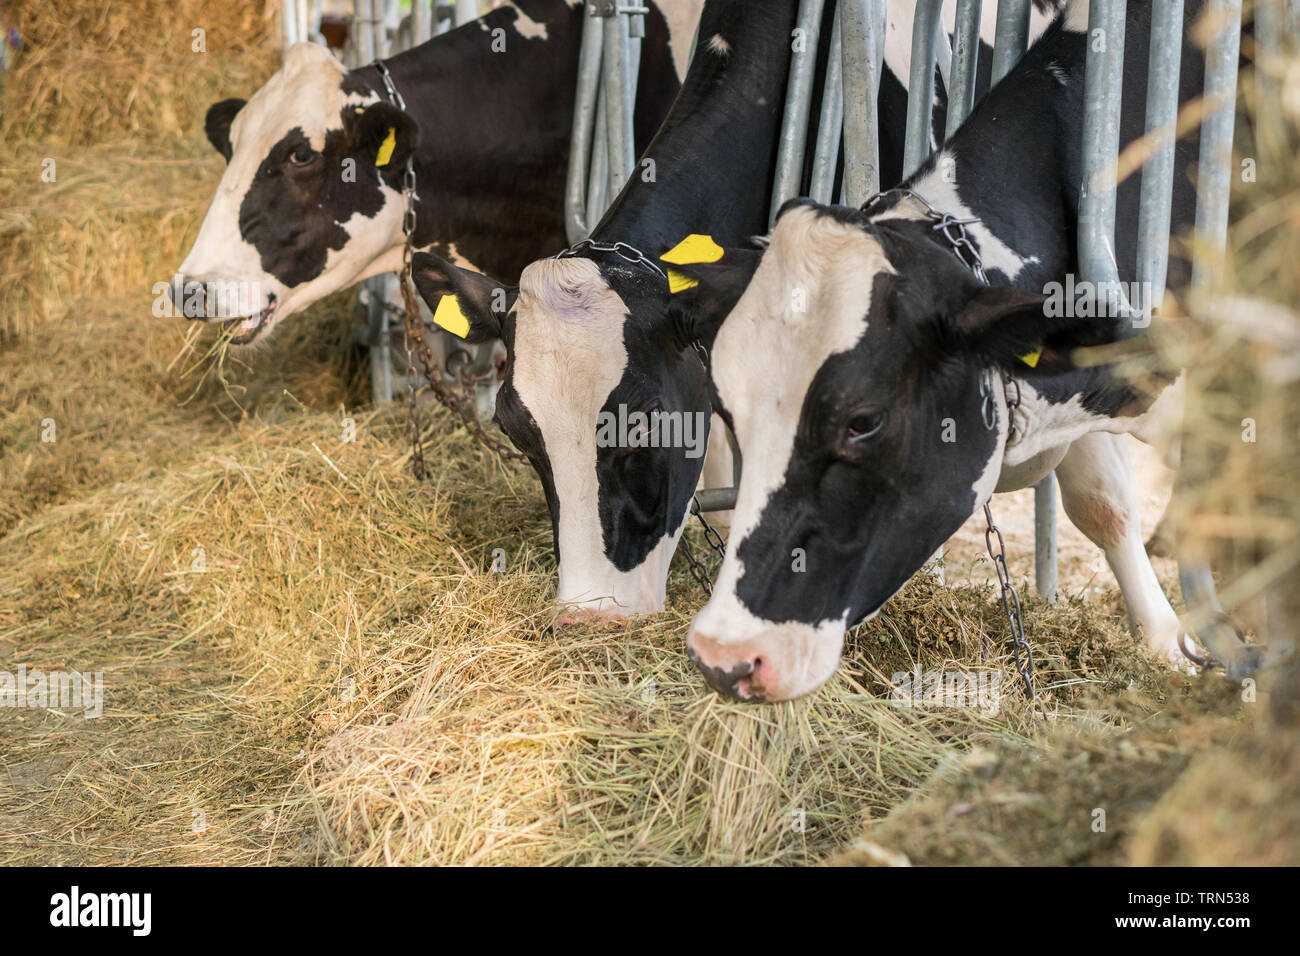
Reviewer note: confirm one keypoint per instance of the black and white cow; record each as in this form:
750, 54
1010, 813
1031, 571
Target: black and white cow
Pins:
591, 336
854, 363
311, 199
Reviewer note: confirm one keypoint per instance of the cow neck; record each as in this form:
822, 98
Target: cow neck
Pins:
715, 155
1027, 129
494, 139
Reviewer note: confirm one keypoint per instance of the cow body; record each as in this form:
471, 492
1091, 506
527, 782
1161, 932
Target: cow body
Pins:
875, 421
311, 200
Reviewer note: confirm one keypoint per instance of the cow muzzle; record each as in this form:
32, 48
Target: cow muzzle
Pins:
785, 662
242, 308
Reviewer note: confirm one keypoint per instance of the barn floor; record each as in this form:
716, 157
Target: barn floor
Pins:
307, 659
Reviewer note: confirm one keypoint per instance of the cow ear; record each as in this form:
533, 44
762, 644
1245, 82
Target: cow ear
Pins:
382, 134
1014, 330
467, 304
704, 291
217, 124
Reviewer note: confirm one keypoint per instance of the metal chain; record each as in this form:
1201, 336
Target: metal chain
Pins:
952, 228
698, 571
461, 405
1020, 649
621, 249
954, 231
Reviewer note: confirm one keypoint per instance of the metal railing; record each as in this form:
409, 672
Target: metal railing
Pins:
602, 146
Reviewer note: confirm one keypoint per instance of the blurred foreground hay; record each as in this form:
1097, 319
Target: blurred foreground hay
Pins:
309, 658
1242, 455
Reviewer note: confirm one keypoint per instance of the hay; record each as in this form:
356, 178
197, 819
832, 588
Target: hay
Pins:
308, 658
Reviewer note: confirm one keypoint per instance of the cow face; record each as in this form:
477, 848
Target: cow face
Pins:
310, 200
610, 406
854, 368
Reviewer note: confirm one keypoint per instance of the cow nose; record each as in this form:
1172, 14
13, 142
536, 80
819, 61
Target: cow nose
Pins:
737, 678
187, 288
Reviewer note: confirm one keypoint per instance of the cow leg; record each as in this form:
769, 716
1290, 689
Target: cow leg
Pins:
1099, 491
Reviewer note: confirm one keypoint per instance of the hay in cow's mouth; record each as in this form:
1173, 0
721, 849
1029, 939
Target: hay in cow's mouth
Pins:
247, 328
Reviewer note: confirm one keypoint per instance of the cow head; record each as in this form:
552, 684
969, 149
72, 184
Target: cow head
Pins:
854, 367
608, 401
310, 201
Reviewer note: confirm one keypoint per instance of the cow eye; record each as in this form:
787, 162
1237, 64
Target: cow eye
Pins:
301, 156
863, 425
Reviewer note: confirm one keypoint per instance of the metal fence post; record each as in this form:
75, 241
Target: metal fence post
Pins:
965, 63
830, 121
862, 43
1012, 36
421, 27
926, 24
466, 11
1214, 169
798, 104
618, 101
577, 221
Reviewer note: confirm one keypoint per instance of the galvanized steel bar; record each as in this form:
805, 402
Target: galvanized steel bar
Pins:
926, 25
830, 121
798, 103
598, 178
965, 63
1214, 170
862, 44
577, 224
421, 25
363, 37
1158, 173
618, 105
1103, 89
289, 21
1045, 557
1012, 35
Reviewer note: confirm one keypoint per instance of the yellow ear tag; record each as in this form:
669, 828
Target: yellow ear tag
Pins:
386, 148
679, 283
449, 316
1031, 358
694, 248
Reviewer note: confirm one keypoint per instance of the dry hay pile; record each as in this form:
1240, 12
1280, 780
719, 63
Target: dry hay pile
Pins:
309, 658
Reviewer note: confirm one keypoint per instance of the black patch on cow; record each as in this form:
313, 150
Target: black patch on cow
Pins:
293, 216
513, 417
217, 124
644, 492
833, 500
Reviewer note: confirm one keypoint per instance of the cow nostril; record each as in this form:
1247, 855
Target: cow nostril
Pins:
736, 682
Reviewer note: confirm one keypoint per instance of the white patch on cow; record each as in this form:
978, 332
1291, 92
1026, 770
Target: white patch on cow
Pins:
1076, 15
1042, 426
528, 28
943, 196
569, 356
764, 360
987, 482
306, 92
682, 17
718, 44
